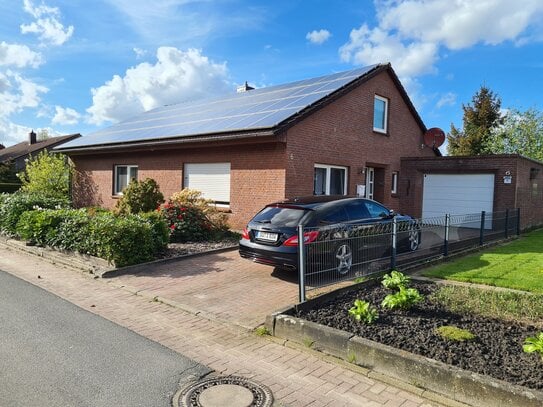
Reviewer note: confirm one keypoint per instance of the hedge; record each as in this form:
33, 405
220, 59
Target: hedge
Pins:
122, 240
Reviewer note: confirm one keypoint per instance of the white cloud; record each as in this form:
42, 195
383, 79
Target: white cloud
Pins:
47, 25
12, 133
18, 93
449, 99
410, 33
65, 116
140, 53
318, 37
19, 56
177, 76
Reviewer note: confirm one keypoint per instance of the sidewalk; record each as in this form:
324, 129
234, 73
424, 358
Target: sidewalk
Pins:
297, 377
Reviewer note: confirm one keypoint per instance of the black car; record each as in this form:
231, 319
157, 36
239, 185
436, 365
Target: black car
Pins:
339, 221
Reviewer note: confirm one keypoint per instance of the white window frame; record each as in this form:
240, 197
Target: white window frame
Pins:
395, 178
385, 121
116, 191
328, 169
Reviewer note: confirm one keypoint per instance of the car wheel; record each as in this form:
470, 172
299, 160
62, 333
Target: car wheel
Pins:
414, 238
343, 259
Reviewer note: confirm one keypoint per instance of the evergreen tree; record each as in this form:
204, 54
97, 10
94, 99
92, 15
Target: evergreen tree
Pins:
480, 118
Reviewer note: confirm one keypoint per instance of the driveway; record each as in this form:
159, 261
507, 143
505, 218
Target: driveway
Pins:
221, 286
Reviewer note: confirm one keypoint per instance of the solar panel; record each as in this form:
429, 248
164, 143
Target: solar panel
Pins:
255, 109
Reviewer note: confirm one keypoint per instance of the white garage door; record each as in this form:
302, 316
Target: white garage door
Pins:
457, 194
212, 179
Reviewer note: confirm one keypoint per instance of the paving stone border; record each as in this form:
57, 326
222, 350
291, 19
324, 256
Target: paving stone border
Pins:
449, 381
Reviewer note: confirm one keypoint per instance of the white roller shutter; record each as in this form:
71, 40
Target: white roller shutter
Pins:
212, 179
457, 194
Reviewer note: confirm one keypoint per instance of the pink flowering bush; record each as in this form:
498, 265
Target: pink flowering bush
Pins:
186, 223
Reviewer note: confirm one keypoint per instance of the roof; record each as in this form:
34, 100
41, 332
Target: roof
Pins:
258, 112
24, 148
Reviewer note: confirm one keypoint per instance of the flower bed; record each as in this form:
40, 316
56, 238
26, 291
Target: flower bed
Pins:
495, 351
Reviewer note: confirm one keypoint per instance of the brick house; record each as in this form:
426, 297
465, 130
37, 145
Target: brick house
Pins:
343, 133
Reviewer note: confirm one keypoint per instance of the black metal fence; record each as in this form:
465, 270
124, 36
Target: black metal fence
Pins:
341, 252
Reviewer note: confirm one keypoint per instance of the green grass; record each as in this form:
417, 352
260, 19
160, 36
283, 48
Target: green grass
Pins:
508, 305
517, 265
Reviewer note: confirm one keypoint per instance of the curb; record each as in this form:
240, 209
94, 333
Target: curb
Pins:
434, 380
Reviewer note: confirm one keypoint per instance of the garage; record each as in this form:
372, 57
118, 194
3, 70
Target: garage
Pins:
457, 194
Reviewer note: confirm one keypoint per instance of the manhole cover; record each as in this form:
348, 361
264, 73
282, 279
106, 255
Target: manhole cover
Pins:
231, 391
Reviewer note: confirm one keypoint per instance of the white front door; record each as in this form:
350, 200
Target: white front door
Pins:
370, 181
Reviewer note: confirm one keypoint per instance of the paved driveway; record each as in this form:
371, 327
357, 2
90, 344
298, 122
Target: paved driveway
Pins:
221, 285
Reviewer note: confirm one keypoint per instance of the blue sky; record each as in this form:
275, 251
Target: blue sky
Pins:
74, 66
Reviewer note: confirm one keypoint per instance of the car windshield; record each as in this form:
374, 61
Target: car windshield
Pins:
280, 217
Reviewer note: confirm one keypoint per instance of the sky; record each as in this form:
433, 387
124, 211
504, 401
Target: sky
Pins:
76, 66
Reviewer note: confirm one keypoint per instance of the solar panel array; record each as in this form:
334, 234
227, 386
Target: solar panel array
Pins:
256, 109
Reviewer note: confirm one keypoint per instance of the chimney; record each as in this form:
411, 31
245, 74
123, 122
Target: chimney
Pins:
244, 88
32, 137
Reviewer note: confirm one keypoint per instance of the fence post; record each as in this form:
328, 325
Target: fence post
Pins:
506, 223
446, 242
518, 221
394, 241
482, 229
301, 263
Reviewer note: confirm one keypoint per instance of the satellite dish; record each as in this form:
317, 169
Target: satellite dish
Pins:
434, 137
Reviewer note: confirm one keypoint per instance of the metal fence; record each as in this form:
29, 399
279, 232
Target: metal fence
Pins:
337, 253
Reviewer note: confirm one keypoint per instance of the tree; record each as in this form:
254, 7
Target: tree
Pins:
521, 133
48, 174
480, 118
140, 196
8, 173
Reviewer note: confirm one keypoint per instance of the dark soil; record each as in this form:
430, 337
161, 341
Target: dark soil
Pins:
187, 248
496, 351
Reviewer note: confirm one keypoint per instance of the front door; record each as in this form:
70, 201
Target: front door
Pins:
370, 182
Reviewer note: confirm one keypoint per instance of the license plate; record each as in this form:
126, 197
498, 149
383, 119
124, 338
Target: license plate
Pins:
269, 237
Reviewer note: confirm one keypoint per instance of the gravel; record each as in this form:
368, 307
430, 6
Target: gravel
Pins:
496, 351
184, 249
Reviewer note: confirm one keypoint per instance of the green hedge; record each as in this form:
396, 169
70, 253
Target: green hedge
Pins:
122, 240
14, 205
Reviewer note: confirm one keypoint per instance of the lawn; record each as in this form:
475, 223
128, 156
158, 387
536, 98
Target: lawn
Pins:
517, 265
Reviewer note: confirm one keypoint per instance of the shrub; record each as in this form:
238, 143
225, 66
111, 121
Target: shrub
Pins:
534, 344
193, 198
395, 280
362, 311
47, 174
403, 299
454, 333
38, 226
186, 223
140, 196
14, 205
159, 230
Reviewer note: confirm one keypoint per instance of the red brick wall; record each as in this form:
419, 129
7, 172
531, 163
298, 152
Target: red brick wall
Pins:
257, 174
506, 196
342, 134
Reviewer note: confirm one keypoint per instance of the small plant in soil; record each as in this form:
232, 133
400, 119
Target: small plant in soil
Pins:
262, 331
395, 280
403, 299
363, 311
454, 333
534, 344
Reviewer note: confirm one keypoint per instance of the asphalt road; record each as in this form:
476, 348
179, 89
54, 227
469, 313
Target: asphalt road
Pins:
53, 353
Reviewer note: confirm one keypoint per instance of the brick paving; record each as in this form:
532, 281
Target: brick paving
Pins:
296, 376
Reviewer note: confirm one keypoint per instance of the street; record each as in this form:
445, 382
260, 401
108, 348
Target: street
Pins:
53, 353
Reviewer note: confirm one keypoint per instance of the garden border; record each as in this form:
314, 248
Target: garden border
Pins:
449, 381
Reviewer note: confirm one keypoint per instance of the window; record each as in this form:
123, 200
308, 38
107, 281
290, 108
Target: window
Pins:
123, 175
329, 180
394, 188
212, 179
376, 210
380, 113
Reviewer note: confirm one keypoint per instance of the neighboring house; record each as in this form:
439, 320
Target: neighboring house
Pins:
337, 134
19, 153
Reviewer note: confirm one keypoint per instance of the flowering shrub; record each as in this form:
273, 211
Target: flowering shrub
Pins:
194, 199
186, 223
